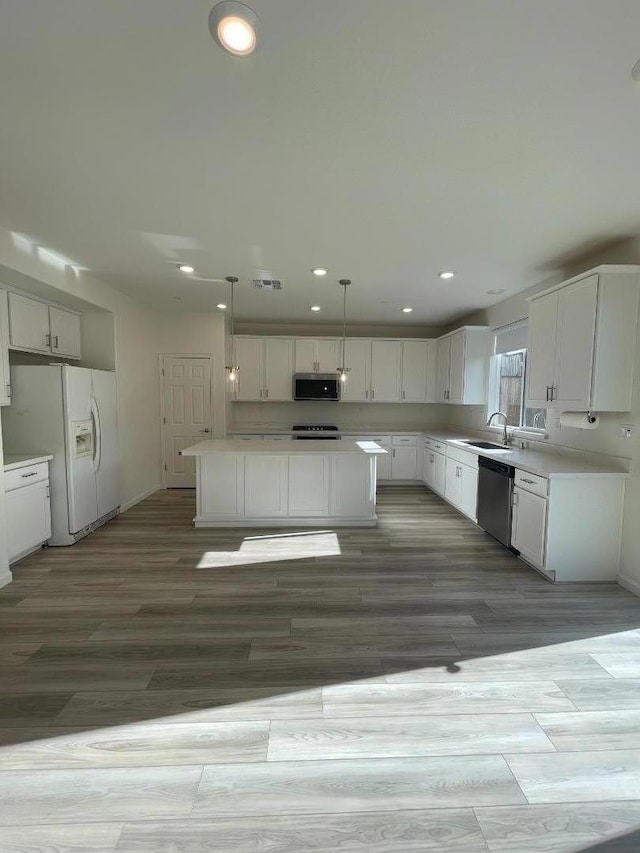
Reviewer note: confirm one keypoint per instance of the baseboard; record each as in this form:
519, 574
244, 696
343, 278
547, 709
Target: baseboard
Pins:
141, 497
630, 584
5, 578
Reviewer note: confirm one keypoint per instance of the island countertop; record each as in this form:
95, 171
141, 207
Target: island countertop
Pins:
284, 448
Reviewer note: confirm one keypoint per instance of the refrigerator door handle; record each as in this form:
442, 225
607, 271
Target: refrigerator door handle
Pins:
97, 432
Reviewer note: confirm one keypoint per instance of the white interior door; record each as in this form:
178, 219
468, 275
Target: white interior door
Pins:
103, 384
187, 415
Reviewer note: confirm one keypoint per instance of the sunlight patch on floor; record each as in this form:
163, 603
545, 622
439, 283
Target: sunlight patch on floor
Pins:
274, 547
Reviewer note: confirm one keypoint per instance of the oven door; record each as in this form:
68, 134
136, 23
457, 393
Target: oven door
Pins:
316, 386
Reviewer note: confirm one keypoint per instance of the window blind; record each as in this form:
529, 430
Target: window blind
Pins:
515, 336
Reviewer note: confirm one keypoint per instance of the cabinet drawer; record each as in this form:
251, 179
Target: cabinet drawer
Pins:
434, 444
464, 456
26, 476
532, 483
404, 440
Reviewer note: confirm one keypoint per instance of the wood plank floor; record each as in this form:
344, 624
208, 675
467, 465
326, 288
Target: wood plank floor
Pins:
412, 687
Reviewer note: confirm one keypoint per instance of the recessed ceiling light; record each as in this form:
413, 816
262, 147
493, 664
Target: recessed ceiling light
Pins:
315, 308
407, 310
319, 271
221, 306
496, 290
446, 274
234, 27
187, 268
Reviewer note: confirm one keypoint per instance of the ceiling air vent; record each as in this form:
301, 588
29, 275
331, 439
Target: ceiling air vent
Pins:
267, 284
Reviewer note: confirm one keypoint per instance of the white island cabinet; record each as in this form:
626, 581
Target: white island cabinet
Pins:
285, 483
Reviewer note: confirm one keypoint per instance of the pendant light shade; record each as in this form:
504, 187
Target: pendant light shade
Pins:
232, 367
343, 370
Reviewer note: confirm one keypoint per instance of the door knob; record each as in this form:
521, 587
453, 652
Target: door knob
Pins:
205, 430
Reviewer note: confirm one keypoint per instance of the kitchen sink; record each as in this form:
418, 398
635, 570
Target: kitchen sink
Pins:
487, 445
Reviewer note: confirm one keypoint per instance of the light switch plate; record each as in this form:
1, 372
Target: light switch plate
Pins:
626, 430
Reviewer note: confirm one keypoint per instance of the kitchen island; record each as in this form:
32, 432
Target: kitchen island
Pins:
285, 483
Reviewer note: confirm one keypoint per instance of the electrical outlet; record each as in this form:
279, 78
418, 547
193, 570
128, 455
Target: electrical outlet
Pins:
556, 423
626, 430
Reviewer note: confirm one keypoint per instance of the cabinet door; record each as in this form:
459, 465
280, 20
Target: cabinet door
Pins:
386, 371
439, 472
309, 485
65, 332
404, 463
28, 324
541, 356
328, 356
383, 463
428, 459
249, 360
415, 356
469, 491
456, 368
28, 518
575, 342
305, 356
529, 526
442, 373
265, 485
278, 369
5, 376
453, 483
432, 372
358, 360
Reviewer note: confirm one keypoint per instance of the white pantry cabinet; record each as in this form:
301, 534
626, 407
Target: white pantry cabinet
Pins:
5, 373
28, 509
462, 366
582, 339
35, 326
265, 368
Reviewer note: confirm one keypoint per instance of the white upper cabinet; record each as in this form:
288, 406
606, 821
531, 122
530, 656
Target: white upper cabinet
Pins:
358, 362
582, 337
278, 369
248, 359
386, 371
265, 368
65, 332
5, 375
463, 358
29, 324
37, 327
415, 360
317, 356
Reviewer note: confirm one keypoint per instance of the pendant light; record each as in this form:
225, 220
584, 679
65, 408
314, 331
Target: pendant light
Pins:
232, 369
343, 369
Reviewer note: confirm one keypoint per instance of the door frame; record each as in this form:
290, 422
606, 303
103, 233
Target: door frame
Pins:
163, 414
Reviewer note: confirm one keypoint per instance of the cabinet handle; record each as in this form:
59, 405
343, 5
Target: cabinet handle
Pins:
547, 399
514, 499
432, 458
55, 338
47, 340
48, 490
373, 393
266, 393
394, 452
554, 392
524, 480
26, 476
403, 395
8, 390
366, 393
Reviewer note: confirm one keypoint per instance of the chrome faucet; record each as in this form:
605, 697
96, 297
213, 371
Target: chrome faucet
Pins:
505, 435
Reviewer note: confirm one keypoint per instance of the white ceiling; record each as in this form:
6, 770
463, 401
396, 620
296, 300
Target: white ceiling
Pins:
383, 140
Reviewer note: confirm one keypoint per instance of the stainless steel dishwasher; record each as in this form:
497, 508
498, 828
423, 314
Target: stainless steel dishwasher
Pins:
495, 487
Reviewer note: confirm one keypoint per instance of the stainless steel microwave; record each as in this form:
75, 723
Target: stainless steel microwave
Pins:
316, 386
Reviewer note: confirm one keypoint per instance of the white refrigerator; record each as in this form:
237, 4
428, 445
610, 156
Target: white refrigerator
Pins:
71, 413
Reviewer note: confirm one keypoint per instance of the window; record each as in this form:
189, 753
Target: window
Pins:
508, 375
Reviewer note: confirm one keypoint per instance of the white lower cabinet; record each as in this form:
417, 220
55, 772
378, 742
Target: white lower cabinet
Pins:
404, 461
28, 509
529, 526
434, 468
461, 482
309, 485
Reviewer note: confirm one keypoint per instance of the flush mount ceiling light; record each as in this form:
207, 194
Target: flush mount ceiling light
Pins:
221, 306
186, 268
407, 310
496, 290
446, 274
319, 271
234, 27
315, 308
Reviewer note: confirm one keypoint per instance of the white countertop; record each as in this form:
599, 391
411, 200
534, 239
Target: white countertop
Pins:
556, 462
283, 448
21, 460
